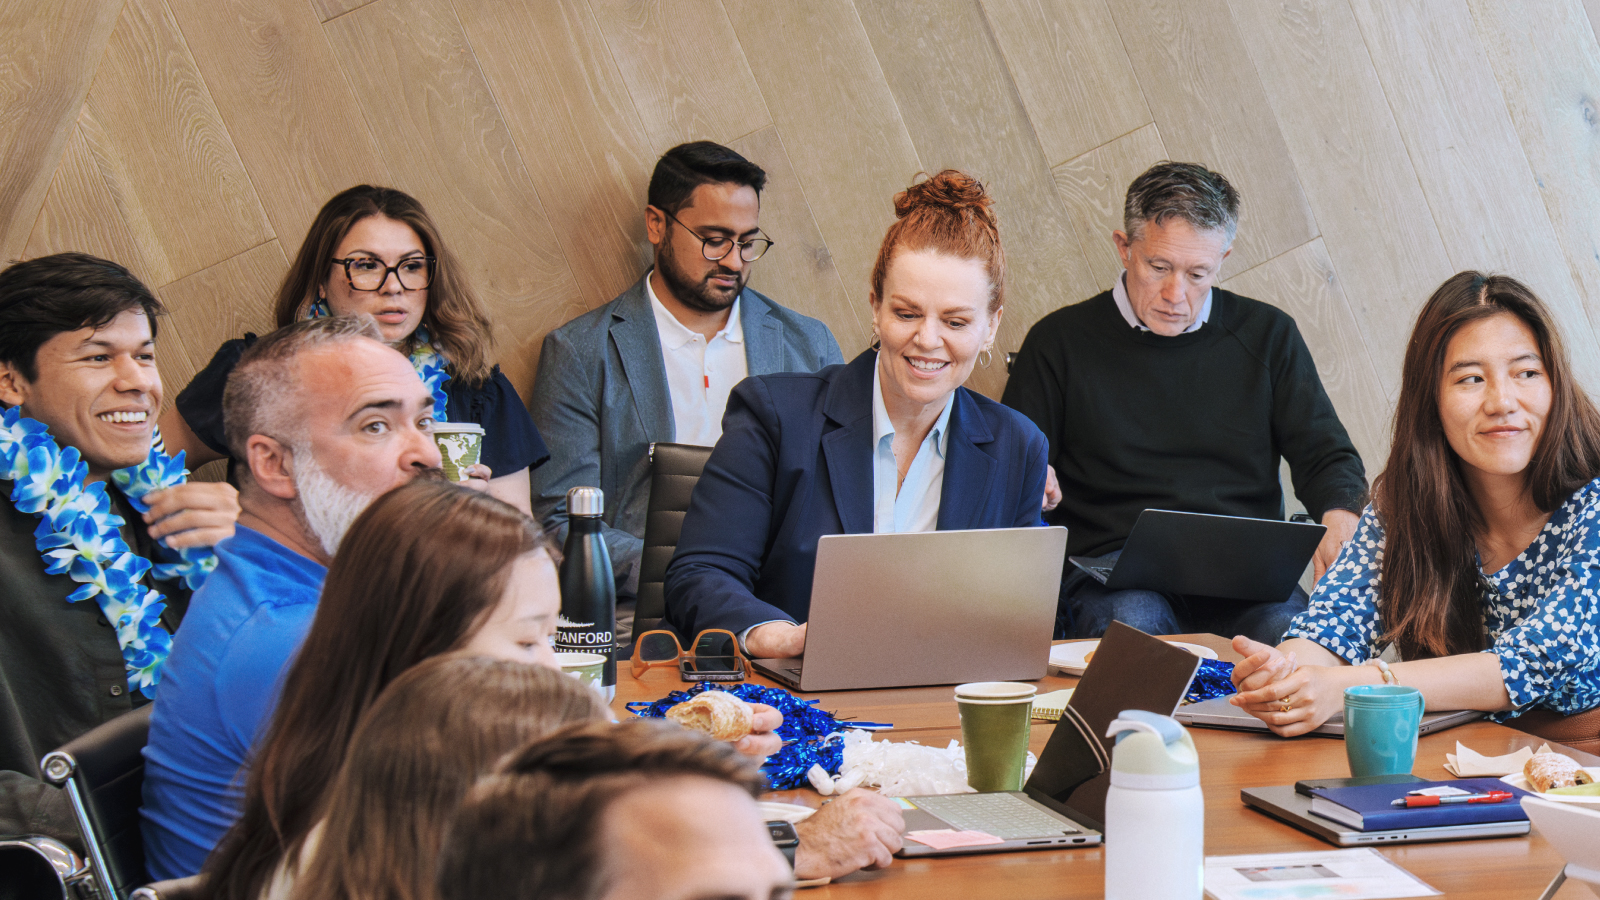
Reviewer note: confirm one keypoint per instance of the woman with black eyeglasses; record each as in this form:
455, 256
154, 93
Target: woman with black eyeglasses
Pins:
376, 251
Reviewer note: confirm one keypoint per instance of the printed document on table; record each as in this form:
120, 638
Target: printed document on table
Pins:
1335, 874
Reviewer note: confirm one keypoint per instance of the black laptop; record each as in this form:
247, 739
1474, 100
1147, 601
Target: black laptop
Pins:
1228, 557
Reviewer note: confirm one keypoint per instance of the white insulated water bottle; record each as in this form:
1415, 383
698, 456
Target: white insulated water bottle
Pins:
1155, 815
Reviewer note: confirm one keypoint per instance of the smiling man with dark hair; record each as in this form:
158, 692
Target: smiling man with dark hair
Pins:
86, 502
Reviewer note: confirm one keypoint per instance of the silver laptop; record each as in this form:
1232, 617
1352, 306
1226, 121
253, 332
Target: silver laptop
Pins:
1285, 803
935, 607
1219, 713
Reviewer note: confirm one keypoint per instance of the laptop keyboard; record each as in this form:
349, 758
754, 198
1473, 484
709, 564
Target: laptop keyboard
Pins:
1005, 816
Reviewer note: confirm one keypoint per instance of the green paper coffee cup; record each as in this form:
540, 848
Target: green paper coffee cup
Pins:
995, 721
586, 667
460, 446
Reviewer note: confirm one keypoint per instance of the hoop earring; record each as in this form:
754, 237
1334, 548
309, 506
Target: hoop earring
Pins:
877, 342
985, 357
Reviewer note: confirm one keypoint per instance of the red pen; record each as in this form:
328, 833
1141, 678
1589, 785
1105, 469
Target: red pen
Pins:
1417, 802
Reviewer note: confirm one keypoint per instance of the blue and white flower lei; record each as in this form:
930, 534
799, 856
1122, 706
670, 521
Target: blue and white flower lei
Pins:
426, 359
79, 535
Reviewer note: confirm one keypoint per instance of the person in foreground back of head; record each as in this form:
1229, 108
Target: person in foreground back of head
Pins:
596, 812
890, 442
326, 417
88, 495
1479, 557
414, 755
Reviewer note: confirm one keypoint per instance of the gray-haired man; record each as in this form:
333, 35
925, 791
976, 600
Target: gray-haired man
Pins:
1168, 393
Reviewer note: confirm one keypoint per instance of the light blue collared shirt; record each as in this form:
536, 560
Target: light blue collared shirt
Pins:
912, 505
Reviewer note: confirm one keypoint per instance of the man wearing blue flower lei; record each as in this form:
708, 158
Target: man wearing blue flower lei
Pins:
102, 537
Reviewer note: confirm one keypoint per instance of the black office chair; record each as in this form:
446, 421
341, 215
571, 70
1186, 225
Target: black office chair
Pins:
674, 470
102, 772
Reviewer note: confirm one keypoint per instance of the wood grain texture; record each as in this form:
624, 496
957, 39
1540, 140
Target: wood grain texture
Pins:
1304, 284
444, 141
216, 304
331, 9
851, 151
685, 69
88, 209
1210, 105
192, 194
293, 118
1353, 165
1094, 186
568, 110
1067, 61
1548, 69
1438, 80
48, 56
798, 270
962, 112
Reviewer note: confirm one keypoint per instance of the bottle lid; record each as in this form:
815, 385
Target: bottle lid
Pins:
586, 501
1153, 752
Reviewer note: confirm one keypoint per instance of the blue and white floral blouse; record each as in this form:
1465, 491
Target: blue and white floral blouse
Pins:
1541, 610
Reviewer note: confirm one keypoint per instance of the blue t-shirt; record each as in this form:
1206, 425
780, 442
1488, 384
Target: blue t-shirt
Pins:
1540, 610
217, 694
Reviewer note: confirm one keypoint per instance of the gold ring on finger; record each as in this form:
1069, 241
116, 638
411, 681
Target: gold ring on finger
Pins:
1286, 705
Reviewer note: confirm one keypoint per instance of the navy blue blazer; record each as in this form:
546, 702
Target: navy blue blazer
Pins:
795, 463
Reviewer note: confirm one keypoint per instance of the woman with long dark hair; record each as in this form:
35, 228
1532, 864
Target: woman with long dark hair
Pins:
1479, 557
428, 568
376, 251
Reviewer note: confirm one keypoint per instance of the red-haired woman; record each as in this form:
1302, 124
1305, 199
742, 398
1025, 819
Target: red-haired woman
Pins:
1479, 558
890, 442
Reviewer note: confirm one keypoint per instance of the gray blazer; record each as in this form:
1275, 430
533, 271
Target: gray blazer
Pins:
601, 399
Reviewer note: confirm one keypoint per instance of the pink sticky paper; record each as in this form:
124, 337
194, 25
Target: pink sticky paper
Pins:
948, 839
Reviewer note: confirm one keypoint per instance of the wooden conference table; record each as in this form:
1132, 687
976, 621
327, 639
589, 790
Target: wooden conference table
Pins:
1503, 869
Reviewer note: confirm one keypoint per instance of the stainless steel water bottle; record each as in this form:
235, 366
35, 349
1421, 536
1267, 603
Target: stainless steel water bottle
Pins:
588, 622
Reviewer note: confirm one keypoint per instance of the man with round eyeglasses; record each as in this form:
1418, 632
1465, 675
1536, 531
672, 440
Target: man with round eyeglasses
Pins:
658, 362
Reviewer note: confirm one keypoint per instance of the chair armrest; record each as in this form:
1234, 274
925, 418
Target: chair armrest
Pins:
43, 866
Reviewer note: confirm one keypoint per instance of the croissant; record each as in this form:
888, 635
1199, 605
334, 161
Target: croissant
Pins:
717, 713
1547, 771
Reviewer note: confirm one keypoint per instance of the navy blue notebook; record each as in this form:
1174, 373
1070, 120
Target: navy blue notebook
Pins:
1369, 807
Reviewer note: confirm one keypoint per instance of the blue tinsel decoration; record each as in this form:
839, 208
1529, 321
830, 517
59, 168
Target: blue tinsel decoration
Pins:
805, 730
1214, 679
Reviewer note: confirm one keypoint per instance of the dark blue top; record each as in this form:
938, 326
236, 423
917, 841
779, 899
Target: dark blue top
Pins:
510, 440
795, 463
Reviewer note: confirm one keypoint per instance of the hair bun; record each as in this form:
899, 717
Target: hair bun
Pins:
951, 189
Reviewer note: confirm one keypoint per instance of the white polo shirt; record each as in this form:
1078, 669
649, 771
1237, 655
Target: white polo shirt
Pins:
700, 374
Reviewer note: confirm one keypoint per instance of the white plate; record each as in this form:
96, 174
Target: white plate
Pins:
1068, 659
1520, 781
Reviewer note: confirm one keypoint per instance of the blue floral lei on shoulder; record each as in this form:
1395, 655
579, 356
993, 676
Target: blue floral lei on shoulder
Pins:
80, 536
425, 358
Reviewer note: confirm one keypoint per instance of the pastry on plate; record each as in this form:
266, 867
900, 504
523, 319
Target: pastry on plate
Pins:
1548, 771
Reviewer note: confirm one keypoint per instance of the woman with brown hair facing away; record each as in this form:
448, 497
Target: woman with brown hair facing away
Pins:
412, 758
427, 569
1479, 557
375, 251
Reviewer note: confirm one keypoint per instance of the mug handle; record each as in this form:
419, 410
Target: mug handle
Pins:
1422, 706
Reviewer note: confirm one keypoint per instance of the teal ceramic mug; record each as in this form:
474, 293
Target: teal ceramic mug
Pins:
1380, 728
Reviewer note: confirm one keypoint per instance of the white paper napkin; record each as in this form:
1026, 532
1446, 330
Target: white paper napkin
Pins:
1467, 763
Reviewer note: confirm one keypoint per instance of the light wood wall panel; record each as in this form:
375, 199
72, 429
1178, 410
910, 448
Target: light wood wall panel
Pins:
1071, 72
51, 53
569, 112
1378, 146
1439, 83
1353, 165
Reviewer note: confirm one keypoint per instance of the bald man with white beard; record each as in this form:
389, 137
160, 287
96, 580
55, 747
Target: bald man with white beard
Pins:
326, 417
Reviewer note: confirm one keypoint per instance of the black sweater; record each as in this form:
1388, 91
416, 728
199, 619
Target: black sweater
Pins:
1195, 422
